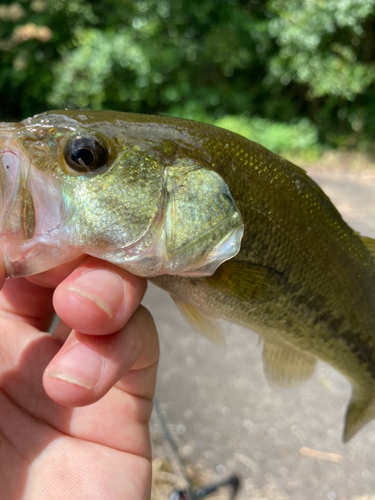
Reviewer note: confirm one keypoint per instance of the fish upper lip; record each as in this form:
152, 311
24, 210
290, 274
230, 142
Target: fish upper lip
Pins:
20, 175
10, 126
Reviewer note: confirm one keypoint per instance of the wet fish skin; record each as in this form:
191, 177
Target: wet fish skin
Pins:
302, 278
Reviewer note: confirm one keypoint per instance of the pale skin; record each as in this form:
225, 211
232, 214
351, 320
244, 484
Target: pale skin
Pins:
74, 407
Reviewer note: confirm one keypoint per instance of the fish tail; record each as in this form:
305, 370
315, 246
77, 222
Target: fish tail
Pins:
360, 411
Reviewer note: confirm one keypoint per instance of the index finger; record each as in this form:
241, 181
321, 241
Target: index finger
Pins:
98, 298
29, 299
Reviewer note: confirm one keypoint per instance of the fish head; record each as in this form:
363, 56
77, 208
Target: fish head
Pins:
75, 182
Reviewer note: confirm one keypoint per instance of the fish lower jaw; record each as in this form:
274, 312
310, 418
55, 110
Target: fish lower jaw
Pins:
34, 257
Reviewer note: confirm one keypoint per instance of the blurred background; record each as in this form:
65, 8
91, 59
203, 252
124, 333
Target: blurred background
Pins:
297, 76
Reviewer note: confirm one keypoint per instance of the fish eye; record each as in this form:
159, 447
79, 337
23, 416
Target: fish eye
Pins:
85, 154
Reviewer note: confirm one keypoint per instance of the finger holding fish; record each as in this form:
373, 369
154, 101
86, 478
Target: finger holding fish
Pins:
122, 346
88, 366
110, 336
98, 297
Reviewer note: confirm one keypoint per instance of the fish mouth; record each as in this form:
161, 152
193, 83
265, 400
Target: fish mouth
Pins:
17, 214
29, 198
30, 208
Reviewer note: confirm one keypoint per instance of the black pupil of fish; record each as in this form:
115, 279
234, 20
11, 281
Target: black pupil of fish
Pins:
85, 154
83, 157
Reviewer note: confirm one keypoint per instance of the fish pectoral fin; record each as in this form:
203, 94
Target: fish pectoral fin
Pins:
245, 281
207, 325
369, 244
285, 366
359, 412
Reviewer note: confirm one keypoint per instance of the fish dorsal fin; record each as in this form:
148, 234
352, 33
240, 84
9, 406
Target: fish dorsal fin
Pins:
285, 366
245, 281
369, 244
207, 325
359, 412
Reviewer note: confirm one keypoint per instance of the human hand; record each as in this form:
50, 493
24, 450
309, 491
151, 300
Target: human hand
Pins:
74, 407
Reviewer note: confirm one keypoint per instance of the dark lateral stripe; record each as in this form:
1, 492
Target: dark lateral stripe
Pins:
334, 324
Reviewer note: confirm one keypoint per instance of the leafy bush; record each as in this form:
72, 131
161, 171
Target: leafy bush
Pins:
277, 62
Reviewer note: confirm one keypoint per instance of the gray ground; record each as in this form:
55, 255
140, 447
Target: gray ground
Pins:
226, 418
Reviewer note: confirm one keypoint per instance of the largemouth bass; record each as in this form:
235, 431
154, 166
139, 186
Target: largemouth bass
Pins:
229, 229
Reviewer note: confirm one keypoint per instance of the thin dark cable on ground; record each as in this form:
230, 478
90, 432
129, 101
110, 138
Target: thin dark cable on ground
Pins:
191, 493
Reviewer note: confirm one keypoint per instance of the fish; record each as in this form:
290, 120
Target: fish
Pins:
230, 230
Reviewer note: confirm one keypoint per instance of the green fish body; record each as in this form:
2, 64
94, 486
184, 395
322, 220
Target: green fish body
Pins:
229, 229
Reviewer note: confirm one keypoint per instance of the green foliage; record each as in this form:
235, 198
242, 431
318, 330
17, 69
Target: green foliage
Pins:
285, 73
85, 76
319, 45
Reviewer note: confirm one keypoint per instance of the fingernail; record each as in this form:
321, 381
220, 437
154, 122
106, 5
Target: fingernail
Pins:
107, 283
81, 366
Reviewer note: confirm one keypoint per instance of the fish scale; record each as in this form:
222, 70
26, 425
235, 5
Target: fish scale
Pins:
229, 229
